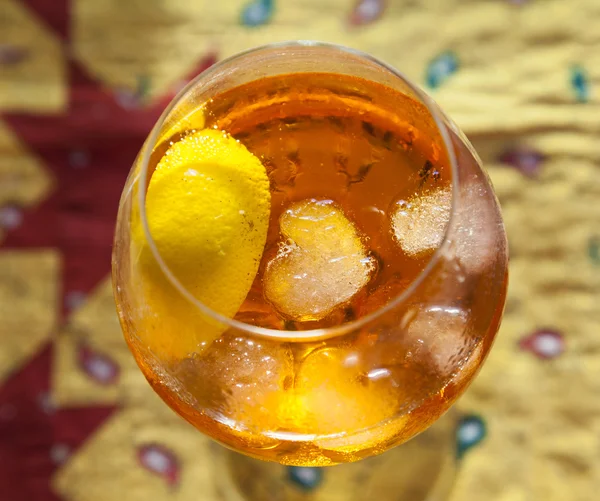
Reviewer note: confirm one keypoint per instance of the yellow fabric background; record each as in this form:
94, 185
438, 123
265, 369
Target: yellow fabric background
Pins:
512, 88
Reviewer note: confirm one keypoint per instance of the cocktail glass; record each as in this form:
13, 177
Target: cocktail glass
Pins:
323, 396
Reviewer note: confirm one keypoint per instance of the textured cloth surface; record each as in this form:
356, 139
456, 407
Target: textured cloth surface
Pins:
81, 84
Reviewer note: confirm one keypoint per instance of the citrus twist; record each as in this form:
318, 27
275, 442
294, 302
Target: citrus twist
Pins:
207, 207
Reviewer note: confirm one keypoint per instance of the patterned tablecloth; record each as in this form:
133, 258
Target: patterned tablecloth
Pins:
82, 82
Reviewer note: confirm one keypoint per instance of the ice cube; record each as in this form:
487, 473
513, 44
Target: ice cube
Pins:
336, 394
475, 227
237, 378
418, 224
321, 264
440, 338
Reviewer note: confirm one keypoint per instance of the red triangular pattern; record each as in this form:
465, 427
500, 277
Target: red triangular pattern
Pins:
53, 13
30, 429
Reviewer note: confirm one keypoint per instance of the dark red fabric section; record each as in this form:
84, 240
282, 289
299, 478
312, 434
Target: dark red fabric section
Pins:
53, 13
35, 436
88, 150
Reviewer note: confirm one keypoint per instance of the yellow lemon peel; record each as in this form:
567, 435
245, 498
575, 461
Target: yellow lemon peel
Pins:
207, 207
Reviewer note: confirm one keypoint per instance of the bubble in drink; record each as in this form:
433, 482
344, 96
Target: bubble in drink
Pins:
321, 264
419, 223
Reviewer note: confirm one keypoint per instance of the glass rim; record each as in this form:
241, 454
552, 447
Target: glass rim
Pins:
311, 334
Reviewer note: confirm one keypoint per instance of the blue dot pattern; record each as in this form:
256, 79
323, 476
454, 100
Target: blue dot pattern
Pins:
594, 250
471, 430
257, 12
440, 69
580, 84
307, 478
